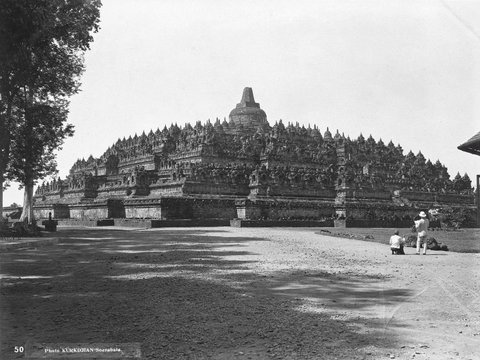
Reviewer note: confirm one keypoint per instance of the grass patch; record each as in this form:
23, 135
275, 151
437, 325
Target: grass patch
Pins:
463, 240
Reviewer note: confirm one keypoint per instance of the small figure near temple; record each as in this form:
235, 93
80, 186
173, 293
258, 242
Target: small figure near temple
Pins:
50, 224
422, 226
396, 244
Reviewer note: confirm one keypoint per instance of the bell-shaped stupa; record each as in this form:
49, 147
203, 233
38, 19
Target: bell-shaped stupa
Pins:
248, 113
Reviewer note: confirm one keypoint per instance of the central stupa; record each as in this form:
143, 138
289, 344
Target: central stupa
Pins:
248, 114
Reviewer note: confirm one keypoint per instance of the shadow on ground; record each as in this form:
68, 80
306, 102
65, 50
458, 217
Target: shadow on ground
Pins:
180, 295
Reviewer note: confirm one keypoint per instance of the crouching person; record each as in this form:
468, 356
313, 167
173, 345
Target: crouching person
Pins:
396, 244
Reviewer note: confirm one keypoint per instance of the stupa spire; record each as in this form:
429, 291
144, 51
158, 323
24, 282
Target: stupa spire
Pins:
247, 99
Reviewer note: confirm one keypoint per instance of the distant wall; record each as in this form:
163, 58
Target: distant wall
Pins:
12, 212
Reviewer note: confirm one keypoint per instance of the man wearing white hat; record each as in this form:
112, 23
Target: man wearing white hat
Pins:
422, 227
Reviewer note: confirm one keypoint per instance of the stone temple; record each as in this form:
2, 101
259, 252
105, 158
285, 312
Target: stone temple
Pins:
246, 169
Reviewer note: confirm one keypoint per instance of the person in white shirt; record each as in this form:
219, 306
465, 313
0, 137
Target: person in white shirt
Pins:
396, 244
422, 226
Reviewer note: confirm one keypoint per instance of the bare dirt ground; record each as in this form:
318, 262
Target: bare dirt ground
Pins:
229, 293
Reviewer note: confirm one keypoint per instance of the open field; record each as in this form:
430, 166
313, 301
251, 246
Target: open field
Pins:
463, 240
239, 293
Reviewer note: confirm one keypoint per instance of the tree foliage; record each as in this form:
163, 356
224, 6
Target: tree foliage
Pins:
42, 43
35, 141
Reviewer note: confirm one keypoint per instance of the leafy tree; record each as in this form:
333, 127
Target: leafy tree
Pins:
36, 137
42, 43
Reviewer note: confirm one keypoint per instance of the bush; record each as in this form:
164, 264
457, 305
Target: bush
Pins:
27, 230
432, 243
455, 218
411, 240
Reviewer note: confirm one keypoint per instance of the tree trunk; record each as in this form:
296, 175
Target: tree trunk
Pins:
5, 136
27, 212
1, 197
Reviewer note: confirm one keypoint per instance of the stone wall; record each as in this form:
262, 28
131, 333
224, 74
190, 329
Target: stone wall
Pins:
379, 210
166, 189
302, 192
215, 189
106, 209
82, 212
9, 211
158, 208
370, 194
213, 208
74, 195
281, 223
57, 211
143, 209
119, 192
285, 209
362, 223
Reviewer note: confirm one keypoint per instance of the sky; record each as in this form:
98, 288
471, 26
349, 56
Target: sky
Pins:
406, 71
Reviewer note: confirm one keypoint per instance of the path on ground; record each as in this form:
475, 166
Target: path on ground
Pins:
229, 293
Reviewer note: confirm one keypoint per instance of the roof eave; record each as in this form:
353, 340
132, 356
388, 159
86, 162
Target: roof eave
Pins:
470, 149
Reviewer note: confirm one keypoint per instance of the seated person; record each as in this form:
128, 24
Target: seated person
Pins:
396, 244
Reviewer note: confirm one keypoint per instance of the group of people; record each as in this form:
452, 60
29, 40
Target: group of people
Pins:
397, 242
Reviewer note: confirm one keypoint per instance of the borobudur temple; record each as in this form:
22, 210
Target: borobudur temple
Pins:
247, 170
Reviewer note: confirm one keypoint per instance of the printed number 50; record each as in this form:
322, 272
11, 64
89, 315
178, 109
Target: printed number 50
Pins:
19, 349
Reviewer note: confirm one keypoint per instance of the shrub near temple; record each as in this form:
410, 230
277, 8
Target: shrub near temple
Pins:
432, 243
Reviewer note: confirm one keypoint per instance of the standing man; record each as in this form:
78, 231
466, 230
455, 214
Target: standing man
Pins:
422, 226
